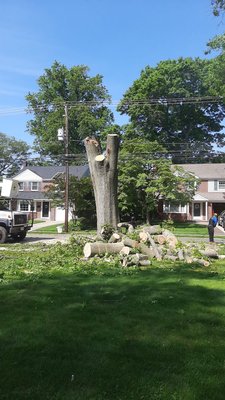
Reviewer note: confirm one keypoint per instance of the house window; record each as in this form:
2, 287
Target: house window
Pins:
34, 186
221, 185
24, 205
27, 205
174, 208
21, 186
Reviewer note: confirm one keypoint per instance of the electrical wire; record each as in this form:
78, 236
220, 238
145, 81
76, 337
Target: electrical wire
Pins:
160, 101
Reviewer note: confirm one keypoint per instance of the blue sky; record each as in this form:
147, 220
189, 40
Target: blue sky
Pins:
114, 38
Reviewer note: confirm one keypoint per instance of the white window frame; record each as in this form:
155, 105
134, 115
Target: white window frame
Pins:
21, 186
28, 205
32, 184
24, 203
174, 208
221, 184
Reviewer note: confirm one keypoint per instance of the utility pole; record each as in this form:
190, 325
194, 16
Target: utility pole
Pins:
66, 143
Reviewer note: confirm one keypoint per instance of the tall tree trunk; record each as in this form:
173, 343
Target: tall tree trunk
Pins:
104, 175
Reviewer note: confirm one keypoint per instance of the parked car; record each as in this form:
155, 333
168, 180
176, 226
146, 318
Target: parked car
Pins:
221, 219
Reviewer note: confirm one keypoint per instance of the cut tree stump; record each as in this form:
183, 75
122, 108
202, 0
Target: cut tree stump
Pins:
211, 253
160, 239
130, 242
157, 253
143, 237
125, 251
114, 238
153, 229
146, 250
104, 176
91, 249
200, 261
171, 239
137, 258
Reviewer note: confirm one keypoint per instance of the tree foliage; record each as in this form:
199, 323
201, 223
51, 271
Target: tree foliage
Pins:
218, 6
13, 153
146, 175
162, 105
87, 111
81, 197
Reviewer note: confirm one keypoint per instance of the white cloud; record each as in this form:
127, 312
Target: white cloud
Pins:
12, 92
20, 70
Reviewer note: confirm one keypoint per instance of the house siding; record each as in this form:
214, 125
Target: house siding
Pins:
44, 177
203, 187
209, 197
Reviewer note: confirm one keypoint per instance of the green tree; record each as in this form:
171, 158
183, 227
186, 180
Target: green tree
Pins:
86, 97
163, 104
218, 6
81, 198
13, 154
217, 72
146, 176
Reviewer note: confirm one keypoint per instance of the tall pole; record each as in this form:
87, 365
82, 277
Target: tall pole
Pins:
67, 169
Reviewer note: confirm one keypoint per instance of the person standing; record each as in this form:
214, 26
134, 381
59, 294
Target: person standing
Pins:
211, 226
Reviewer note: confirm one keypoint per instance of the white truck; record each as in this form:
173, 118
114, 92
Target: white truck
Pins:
13, 224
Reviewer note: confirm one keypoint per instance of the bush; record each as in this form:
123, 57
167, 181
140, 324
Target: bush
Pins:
78, 224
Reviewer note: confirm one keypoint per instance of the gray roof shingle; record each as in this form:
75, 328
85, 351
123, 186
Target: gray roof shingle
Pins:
31, 196
206, 171
213, 196
49, 172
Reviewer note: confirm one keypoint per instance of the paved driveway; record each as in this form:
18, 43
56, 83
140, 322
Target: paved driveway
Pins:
35, 237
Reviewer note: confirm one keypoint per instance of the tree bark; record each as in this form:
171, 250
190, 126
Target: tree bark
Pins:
104, 175
91, 249
130, 242
114, 238
159, 239
153, 229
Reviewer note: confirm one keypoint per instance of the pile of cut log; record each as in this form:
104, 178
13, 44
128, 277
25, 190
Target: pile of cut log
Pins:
151, 242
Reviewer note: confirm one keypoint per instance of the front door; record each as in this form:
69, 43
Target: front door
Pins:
45, 209
197, 211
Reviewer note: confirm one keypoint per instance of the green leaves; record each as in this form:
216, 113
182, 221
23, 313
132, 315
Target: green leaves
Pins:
146, 176
87, 112
13, 153
218, 7
81, 197
163, 105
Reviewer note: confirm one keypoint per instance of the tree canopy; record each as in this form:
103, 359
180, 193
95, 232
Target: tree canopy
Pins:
13, 153
145, 177
171, 103
81, 197
86, 97
218, 6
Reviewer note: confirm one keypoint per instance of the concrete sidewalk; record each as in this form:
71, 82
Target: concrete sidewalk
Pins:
44, 224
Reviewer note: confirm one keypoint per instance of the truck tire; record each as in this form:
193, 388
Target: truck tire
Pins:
3, 234
19, 236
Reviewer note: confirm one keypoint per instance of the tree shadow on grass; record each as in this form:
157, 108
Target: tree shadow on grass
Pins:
155, 335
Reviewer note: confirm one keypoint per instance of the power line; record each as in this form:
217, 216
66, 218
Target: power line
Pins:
160, 101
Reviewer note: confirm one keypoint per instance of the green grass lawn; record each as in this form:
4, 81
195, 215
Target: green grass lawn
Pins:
190, 228
72, 330
179, 229
53, 229
48, 229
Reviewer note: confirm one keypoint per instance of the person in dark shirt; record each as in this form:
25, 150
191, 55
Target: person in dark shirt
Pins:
211, 226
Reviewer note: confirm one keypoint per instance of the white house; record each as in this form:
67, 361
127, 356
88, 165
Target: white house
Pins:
32, 181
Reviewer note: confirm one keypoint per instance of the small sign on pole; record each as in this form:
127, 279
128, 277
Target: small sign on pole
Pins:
61, 134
